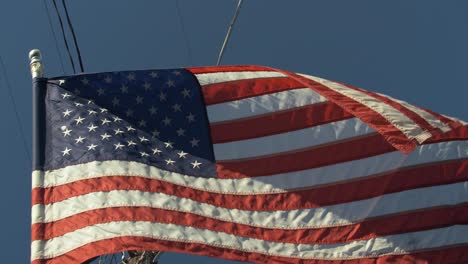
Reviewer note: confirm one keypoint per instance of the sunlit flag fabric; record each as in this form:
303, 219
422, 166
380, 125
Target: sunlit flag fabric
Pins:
246, 163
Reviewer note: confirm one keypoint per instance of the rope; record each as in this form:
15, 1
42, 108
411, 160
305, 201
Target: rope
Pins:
228, 34
15, 108
53, 34
64, 37
74, 36
187, 43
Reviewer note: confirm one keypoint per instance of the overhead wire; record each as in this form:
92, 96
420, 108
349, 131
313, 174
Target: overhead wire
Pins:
228, 34
70, 25
54, 35
187, 43
15, 109
64, 37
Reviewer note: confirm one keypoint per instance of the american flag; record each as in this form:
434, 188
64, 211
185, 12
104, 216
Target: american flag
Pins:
246, 163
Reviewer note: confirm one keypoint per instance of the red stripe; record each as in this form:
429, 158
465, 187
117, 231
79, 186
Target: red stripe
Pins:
455, 254
451, 123
278, 122
234, 68
393, 135
341, 192
407, 112
235, 90
436, 217
317, 156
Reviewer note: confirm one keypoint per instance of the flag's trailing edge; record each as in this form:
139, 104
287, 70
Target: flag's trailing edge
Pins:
246, 163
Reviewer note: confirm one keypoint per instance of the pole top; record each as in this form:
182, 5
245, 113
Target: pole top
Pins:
35, 63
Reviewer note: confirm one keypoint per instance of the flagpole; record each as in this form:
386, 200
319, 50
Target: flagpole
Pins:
38, 95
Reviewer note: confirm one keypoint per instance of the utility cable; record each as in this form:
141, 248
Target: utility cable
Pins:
54, 35
15, 108
64, 37
228, 34
187, 43
74, 36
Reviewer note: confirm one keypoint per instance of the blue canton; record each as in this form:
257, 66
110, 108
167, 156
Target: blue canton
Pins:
152, 117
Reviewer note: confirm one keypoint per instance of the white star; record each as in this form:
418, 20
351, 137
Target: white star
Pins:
105, 121
90, 101
182, 154
167, 121
118, 131
194, 142
180, 132
124, 89
105, 136
154, 74
108, 79
131, 76
103, 110
100, 91
144, 154
162, 96
130, 128
91, 112
153, 110
118, 146
92, 147
65, 95
67, 132
79, 139
185, 92
79, 120
117, 119
196, 164
115, 101
177, 108
142, 123
168, 144
78, 104
147, 86
143, 139
61, 82
176, 72
85, 81
169, 162
139, 99
156, 133
170, 83
92, 127
129, 112
66, 151
131, 143
156, 151
66, 113
190, 117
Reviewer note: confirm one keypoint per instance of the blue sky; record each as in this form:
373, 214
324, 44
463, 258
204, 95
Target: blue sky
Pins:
411, 50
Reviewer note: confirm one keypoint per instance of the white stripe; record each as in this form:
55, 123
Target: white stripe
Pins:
220, 77
392, 115
431, 119
351, 170
392, 244
326, 216
262, 104
293, 140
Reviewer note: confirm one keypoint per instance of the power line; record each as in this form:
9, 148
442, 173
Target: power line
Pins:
187, 43
55, 36
74, 36
64, 37
228, 34
15, 108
